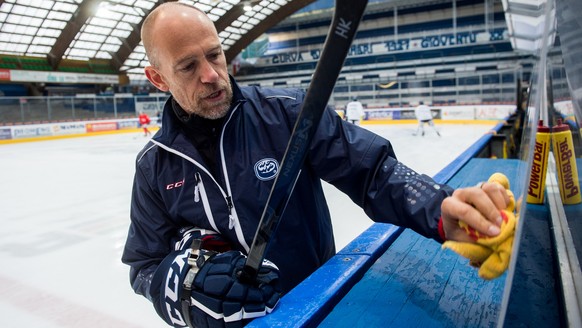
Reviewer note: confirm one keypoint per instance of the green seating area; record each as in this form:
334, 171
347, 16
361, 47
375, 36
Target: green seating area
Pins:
34, 67
26, 63
9, 62
74, 69
102, 68
8, 65
41, 64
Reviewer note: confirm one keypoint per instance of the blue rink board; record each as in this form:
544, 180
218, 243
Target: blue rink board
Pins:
414, 283
417, 284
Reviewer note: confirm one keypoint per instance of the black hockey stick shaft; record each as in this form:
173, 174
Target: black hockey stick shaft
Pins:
346, 18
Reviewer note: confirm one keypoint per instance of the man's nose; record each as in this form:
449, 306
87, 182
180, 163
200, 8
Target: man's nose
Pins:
208, 73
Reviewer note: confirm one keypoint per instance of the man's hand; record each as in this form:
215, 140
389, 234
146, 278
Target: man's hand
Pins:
473, 231
479, 207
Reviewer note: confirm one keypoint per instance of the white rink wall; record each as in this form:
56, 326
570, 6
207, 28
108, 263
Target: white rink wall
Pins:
19, 133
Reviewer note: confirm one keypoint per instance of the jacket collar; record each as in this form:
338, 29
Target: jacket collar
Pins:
237, 95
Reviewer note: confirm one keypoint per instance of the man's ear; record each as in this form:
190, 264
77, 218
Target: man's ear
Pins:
156, 78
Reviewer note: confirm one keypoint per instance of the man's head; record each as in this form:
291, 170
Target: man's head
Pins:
187, 59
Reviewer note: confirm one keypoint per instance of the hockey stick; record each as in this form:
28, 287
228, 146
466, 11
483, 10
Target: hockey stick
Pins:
346, 18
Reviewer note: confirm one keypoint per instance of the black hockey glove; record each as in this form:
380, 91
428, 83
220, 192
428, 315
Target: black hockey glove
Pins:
218, 295
200, 288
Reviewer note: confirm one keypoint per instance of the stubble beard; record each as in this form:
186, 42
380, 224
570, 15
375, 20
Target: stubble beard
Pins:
216, 111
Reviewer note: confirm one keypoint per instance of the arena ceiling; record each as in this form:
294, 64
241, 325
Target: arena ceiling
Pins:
109, 29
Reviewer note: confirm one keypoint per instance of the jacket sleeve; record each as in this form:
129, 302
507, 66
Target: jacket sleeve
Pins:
363, 165
151, 234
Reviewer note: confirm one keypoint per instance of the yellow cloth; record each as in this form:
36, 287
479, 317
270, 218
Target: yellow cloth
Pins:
490, 254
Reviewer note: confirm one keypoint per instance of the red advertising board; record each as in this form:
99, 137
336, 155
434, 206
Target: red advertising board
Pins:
4, 74
101, 126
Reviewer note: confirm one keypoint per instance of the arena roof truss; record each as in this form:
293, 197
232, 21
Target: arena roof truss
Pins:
108, 30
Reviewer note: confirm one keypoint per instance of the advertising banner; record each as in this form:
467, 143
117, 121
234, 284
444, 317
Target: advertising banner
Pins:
407, 114
458, 113
565, 107
278, 55
31, 131
381, 114
493, 112
4, 74
477, 112
62, 77
101, 126
5, 133
149, 106
129, 124
68, 128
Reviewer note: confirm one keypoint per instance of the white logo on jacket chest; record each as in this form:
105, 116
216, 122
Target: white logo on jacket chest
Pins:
266, 169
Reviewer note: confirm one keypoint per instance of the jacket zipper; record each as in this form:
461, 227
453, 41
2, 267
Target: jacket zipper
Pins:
197, 187
230, 216
233, 219
200, 195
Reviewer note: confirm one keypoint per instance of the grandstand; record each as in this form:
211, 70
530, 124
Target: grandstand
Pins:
401, 55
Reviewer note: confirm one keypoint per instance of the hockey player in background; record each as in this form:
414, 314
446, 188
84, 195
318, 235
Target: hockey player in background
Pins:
201, 184
144, 121
354, 111
424, 116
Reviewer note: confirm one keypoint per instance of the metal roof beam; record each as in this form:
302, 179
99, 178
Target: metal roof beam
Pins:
132, 41
83, 13
127, 46
273, 19
230, 16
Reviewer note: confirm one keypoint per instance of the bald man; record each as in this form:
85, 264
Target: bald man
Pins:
203, 180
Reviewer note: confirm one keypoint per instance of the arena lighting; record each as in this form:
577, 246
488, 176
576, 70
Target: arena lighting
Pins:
386, 85
103, 9
247, 6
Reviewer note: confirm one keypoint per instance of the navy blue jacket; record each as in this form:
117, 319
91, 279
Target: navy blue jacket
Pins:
174, 189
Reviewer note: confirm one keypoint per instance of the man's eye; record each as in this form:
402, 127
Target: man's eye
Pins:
187, 68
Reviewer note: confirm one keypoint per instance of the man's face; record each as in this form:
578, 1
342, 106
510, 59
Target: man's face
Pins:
192, 66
